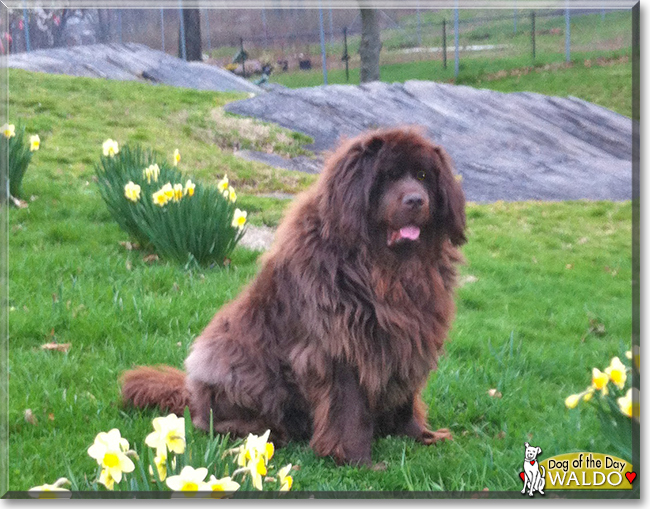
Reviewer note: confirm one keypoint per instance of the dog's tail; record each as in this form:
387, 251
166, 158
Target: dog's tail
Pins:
160, 386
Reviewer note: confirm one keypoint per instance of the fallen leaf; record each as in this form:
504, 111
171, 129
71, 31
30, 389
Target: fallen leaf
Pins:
175, 286
569, 266
33, 197
534, 260
129, 265
494, 393
486, 489
583, 240
501, 435
29, 417
464, 280
296, 467
150, 258
179, 344
379, 467
55, 298
50, 417
59, 347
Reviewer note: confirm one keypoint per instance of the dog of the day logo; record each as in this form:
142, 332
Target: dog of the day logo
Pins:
575, 471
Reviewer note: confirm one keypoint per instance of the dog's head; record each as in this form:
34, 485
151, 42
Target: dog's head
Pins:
531, 451
394, 189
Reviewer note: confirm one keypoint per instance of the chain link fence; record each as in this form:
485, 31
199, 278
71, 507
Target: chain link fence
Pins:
416, 44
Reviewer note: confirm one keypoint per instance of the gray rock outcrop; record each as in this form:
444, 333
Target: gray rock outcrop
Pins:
515, 146
129, 62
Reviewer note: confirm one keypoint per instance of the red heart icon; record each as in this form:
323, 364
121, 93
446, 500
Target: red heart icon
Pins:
523, 476
532, 462
630, 476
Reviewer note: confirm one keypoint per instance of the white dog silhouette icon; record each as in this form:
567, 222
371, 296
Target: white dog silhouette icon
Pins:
533, 479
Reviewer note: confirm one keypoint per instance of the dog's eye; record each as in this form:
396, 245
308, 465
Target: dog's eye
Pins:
421, 175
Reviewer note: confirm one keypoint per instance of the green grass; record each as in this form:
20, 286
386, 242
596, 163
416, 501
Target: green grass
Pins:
544, 272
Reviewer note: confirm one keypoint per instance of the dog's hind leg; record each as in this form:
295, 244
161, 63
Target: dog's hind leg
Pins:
411, 420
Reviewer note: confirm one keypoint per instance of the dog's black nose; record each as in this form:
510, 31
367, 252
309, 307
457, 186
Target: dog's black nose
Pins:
413, 200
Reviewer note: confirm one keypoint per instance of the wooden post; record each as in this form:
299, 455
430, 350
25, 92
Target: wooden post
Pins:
444, 43
532, 32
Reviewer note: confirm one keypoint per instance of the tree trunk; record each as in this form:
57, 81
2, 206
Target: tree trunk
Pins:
192, 26
370, 45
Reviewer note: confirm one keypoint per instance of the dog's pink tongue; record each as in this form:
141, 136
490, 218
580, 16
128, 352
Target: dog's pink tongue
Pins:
410, 232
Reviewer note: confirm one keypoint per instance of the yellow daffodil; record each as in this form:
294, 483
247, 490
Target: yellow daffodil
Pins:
177, 157
106, 479
168, 190
257, 469
188, 480
168, 434
573, 400
132, 191
189, 188
222, 185
45, 490
239, 219
230, 194
616, 372
223, 484
286, 481
625, 403
161, 466
160, 198
9, 130
599, 380
151, 173
111, 148
178, 192
255, 446
34, 143
109, 450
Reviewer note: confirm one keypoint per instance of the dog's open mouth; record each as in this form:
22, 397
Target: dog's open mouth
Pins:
404, 234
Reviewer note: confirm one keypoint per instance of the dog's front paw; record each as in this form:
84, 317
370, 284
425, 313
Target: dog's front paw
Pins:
429, 437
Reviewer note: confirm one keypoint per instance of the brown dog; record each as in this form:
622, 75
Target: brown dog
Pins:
335, 338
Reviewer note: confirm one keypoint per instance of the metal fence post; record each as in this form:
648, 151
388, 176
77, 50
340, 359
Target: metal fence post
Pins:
346, 57
567, 30
162, 28
322, 44
456, 55
266, 32
182, 31
444, 43
419, 27
26, 31
532, 32
207, 30
119, 24
515, 16
331, 28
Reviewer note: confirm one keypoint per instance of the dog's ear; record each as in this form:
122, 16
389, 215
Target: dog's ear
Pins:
450, 199
539, 450
347, 180
526, 444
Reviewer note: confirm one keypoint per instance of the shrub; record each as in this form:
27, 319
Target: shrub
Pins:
170, 459
181, 220
18, 153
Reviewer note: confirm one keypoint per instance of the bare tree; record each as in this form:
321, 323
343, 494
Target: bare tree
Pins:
370, 45
192, 27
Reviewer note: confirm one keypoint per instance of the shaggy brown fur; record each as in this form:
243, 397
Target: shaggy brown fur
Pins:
335, 338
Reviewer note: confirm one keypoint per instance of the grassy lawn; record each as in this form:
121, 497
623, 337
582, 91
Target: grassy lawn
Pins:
543, 274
